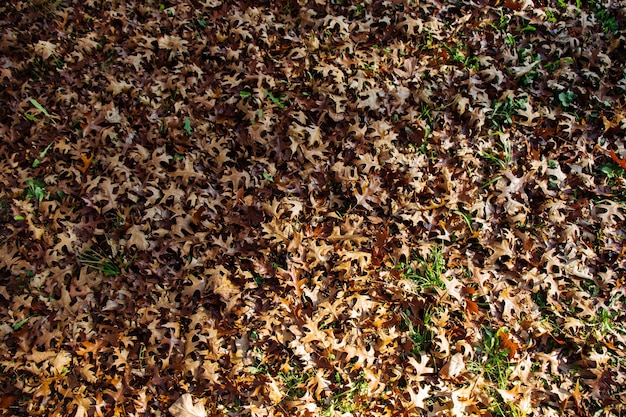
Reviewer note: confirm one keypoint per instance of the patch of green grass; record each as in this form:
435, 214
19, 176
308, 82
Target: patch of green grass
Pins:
236, 406
294, 381
109, 57
98, 260
116, 219
343, 402
528, 57
502, 23
460, 54
21, 323
278, 99
36, 190
501, 408
428, 275
258, 369
468, 218
37, 69
23, 281
492, 360
49, 7
606, 321
551, 16
367, 66
202, 23
612, 171
607, 19
359, 10
501, 158
548, 316
426, 113
422, 335
553, 66
503, 111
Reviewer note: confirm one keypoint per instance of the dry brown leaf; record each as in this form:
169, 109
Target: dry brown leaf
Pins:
268, 174
86, 370
137, 238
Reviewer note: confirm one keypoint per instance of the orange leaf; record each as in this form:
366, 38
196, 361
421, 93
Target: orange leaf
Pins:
513, 5
7, 401
471, 306
618, 160
86, 163
469, 290
180, 149
577, 395
507, 343
89, 347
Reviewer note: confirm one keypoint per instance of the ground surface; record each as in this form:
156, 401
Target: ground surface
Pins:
384, 208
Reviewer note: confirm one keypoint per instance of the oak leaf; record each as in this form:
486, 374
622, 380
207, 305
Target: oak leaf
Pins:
507, 343
45, 49
185, 407
454, 367
137, 238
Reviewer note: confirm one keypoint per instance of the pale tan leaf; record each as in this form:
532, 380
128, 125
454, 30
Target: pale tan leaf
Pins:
137, 238
453, 367
45, 49
185, 407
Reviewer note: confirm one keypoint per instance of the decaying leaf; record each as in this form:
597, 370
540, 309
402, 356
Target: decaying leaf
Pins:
312, 208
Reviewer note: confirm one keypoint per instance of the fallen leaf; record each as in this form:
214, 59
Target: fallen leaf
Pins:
454, 367
618, 160
86, 163
471, 306
185, 407
507, 343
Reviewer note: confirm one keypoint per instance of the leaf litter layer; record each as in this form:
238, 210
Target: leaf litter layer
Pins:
312, 208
